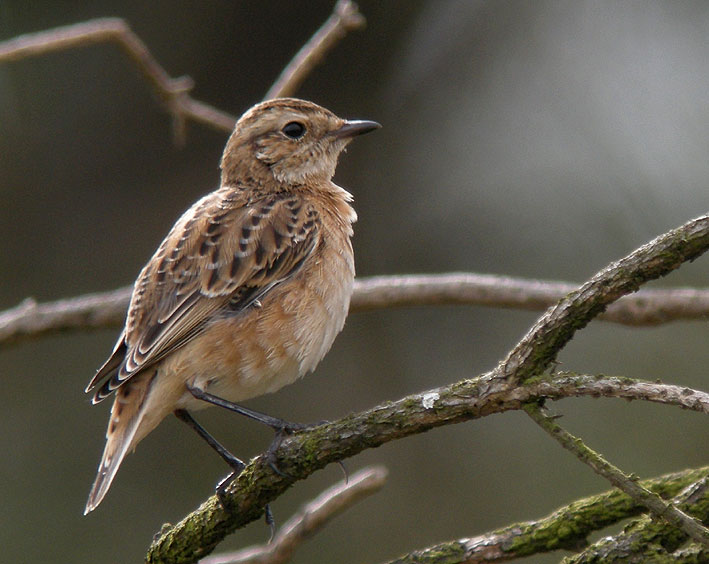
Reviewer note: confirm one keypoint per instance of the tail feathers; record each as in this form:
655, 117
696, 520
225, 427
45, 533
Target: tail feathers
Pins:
126, 417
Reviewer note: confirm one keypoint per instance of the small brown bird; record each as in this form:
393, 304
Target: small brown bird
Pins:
247, 291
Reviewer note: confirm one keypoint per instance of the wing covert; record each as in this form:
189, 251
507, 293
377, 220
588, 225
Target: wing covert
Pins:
225, 252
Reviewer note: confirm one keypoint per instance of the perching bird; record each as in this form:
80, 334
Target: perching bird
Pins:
249, 288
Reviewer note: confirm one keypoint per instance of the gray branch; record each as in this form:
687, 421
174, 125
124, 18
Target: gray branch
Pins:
645, 308
566, 528
509, 386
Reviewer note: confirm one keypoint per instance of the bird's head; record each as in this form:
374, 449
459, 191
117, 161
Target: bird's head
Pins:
292, 141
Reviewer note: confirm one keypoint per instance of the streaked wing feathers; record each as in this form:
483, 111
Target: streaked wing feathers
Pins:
222, 254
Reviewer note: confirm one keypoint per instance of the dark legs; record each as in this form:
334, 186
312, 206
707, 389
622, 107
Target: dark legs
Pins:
236, 465
273, 422
280, 426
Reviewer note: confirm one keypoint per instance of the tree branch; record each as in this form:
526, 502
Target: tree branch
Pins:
539, 348
629, 484
30, 319
345, 18
173, 93
305, 452
566, 528
309, 520
647, 539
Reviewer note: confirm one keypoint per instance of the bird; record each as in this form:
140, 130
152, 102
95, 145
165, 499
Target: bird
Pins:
248, 290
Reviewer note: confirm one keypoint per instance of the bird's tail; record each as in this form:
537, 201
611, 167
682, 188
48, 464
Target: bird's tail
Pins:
122, 435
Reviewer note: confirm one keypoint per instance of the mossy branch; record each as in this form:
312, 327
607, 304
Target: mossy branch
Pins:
493, 392
566, 528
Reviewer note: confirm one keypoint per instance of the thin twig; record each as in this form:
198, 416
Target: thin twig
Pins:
345, 18
629, 484
309, 520
645, 308
172, 92
567, 528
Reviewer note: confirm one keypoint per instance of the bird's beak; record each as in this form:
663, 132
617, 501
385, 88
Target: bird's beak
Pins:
355, 127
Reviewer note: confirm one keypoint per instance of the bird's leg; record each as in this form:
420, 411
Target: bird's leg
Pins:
236, 464
280, 426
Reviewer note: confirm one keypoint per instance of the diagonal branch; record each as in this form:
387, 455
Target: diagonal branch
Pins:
345, 18
309, 520
30, 319
173, 93
540, 346
628, 484
648, 539
566, 529
305, 452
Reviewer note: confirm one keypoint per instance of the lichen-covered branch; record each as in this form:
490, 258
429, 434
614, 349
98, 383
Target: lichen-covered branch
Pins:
540, 346
498, 390
648, 539
628, 484
566, 528
305, 452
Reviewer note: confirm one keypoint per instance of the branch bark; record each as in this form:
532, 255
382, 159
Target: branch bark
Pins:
628, 484
498, 390
566, 528
648, 540
305, 452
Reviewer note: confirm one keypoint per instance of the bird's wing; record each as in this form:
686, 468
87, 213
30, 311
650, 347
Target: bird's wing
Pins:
223, 254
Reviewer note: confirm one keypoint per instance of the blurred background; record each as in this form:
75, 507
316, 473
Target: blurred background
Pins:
539, 139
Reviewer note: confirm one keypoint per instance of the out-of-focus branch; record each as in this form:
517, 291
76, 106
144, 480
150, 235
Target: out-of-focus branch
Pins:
645, 308
345, 18
565, 529
628, 484
172, 92
309, 520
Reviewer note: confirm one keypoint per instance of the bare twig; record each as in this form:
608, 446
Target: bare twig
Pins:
172, 92
345, 18
565, 529
645, 308
498, 390
309, 520
654, 503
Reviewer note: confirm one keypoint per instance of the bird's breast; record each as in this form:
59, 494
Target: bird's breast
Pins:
270, 345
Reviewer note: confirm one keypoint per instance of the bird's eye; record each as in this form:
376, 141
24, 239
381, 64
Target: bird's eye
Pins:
294, 130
